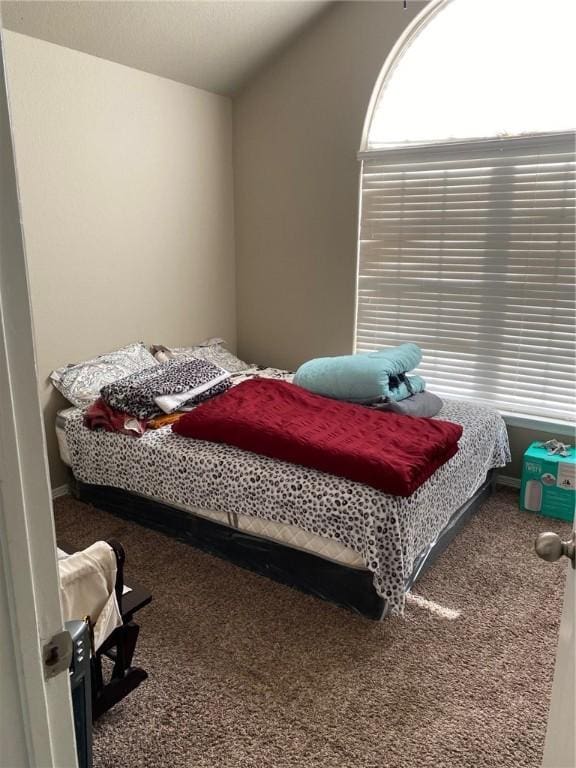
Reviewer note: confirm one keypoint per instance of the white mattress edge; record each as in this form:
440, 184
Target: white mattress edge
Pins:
281, 533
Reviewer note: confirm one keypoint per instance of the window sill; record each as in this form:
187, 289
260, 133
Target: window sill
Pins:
540, 424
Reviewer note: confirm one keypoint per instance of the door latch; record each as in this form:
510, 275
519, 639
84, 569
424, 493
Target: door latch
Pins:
57, 654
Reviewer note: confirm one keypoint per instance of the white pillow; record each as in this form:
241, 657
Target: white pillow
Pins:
80, 383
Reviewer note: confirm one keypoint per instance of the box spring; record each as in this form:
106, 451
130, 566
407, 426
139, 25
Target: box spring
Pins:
350, 588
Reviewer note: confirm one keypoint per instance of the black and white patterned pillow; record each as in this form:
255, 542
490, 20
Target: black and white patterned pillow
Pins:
80, 383
138, 394
213, 350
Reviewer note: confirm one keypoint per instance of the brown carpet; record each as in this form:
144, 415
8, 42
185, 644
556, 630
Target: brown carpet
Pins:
248, 673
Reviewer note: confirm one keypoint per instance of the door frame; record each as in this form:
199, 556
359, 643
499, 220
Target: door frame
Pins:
27, 538
560, 743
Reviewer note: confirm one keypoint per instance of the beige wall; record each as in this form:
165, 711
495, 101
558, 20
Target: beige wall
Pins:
130, 231
297, 129
127, 203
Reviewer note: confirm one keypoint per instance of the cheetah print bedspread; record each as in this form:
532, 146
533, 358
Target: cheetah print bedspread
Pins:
388, 531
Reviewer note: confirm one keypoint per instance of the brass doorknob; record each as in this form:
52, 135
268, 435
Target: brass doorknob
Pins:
550, 547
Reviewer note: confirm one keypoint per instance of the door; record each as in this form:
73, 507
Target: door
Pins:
560, 747
36, 724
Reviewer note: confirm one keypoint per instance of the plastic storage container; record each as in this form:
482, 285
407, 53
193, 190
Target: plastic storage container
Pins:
548, 483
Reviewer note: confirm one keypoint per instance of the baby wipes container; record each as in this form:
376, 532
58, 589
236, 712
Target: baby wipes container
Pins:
548, 483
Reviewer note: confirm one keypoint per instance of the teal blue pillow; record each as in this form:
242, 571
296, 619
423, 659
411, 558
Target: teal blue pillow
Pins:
363, 378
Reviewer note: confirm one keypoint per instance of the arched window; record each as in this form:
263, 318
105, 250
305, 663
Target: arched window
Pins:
467, 222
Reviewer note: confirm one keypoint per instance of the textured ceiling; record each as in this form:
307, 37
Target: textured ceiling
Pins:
217, 46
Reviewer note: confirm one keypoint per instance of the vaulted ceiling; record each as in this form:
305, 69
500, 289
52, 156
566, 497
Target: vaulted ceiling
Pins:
217, 46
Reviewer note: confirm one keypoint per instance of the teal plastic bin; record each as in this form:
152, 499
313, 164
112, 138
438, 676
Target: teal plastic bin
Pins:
548, 483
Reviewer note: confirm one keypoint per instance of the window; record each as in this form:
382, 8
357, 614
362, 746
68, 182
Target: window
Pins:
467, 225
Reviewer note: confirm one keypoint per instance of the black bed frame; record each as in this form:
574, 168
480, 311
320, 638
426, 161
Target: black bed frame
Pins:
347, 587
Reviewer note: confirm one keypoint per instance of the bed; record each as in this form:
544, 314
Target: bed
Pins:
340, 540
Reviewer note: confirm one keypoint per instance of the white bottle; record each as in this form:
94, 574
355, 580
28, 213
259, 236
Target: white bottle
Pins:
533, 496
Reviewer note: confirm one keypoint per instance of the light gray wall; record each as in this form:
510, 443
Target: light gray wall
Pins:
297, 129
127, 205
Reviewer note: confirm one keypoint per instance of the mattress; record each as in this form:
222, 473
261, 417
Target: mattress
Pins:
283, 533
330, 516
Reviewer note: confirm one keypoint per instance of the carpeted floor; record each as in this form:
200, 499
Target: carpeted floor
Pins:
247, 673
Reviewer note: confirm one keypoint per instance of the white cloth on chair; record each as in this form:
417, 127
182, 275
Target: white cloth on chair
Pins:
87, 587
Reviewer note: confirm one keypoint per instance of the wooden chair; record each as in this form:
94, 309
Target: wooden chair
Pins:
119, 646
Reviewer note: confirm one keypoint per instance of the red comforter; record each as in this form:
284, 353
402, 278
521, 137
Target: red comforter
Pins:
393, 453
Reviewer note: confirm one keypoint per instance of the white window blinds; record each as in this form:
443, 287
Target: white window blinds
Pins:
468, 250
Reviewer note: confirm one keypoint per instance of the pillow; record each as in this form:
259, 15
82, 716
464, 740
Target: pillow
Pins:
363, 378
212, 350
81, 383
423, 404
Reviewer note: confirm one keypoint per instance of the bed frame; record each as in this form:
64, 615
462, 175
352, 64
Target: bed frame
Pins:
345, 586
